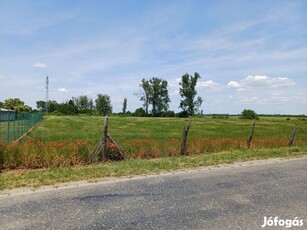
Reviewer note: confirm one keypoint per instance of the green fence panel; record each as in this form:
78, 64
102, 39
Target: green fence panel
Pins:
14, 125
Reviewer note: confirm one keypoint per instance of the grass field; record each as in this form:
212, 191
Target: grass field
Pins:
161, 137
58, 128
158, 137
149, 145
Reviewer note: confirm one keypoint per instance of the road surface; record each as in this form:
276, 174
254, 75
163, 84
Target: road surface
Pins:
235, 196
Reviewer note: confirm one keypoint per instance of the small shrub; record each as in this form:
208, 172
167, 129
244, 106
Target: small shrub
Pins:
113, 152
183, 114
168, 114
249, 114
57, 113
139, 112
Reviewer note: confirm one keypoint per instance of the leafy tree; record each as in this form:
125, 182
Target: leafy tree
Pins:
83, 103
125, 105
155, 94
249, 114
91, 105
41, 105
16, 104
145, 96
139, 112
68, 108
1, 104
188, 92
53, 106
159, 98
103, 104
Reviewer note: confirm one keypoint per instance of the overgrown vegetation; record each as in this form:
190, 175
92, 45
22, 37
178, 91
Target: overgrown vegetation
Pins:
68, 140
131, 167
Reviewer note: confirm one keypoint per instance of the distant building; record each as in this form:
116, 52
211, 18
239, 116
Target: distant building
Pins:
7, 114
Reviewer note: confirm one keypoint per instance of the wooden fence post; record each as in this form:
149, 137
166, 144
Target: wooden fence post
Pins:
291, 139
103, 155
249, 140
184, 136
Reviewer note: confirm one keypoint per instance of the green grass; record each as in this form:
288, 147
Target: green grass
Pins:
159, 132
71, 128
54, 175
154, 135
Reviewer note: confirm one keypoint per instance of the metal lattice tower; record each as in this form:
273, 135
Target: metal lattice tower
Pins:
47, 94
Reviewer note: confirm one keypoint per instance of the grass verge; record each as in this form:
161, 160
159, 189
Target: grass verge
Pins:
132, 167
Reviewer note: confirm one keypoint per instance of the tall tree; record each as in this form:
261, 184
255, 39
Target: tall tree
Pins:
103, 104
155, 94
188, 92
125, 105
83, 103
91, 105
41, 105
159, 98
145, 96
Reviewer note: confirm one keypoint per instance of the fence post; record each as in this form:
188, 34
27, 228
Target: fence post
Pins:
103, 156
291, 139
8, 126
249, 140
184, 136
14, 127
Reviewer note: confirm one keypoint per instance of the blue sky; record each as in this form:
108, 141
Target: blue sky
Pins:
250, 54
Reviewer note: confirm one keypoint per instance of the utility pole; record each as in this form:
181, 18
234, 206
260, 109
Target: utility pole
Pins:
47, 94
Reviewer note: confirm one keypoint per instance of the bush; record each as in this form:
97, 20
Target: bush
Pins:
183, 114
249, 114
57, 113
168, 114
139, 112
113, 153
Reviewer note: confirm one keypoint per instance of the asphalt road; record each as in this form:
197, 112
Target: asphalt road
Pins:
229, 197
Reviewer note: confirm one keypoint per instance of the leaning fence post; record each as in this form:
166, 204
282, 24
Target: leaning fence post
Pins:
184, 136
103, 156
291, 139
249, 140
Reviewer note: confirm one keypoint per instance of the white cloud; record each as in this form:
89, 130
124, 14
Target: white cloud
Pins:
40, 65
233, 84
2, 77
210, 85
265, 81
260, 81
63, 90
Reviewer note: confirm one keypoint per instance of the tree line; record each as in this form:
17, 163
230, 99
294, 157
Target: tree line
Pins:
153, 93
78, 105
155, 98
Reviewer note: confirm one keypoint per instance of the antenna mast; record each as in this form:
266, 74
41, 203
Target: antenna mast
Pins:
47, 94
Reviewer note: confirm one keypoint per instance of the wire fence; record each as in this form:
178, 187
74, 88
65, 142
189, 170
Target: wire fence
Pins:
14, 125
